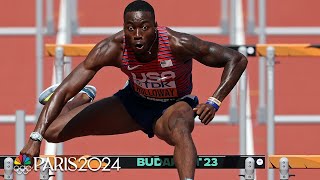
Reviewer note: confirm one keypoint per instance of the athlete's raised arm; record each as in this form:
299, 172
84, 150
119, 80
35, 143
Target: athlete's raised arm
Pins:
105, 53
212, 55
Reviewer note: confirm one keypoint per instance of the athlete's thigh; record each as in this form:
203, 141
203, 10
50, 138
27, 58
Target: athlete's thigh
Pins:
104, 117
181, 111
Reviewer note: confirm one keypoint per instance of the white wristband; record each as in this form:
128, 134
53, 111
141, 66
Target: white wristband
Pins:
36, 136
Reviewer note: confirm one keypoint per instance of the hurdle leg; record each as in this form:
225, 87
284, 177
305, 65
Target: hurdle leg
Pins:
242, 109
20, 136
251, 17
224, 17
39, 54
59, 64
74, 17
49, 15
20, 130
262, 111
270, 106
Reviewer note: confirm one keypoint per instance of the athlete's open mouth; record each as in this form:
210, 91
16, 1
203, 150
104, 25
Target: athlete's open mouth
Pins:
139, 46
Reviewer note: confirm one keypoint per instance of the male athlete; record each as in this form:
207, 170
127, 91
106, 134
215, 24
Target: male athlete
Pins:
156, 99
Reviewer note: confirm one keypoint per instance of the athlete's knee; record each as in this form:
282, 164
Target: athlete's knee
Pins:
51, 138
178, 125
181, 126
182, 118
180, 133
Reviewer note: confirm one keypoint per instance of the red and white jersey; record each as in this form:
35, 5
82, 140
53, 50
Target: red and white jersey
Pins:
161, 79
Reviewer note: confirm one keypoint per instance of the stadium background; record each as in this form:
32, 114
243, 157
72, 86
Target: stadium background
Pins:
296, 83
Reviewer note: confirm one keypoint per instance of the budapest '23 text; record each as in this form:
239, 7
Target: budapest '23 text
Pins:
207, 162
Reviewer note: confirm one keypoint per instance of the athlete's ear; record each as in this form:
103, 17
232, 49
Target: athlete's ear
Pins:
156, 24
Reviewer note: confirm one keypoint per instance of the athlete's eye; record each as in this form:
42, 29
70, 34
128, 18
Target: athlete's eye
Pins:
144, 28
130, 28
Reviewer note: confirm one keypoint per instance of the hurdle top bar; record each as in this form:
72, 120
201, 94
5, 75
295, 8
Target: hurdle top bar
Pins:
285, 50
296, 161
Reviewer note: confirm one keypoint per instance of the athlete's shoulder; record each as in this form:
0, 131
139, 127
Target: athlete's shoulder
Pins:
116, 38
107, 52
172, 32
173, 35
180, 38
116, 45
180, 42
114, 42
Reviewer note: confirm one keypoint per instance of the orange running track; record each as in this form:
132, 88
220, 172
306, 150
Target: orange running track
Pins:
296, 78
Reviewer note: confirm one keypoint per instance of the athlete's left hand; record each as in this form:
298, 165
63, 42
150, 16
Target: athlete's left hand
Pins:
206, 112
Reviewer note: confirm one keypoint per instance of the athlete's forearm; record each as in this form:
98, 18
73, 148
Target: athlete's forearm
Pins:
50, 112
70, 86
230, 76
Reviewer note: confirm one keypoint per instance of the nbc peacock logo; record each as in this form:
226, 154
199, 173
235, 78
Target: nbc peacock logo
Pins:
22, 164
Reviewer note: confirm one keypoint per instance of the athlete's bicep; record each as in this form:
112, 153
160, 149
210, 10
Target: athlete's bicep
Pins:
208, 53
103, 54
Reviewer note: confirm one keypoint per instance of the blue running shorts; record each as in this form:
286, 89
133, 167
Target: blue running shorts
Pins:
144, 111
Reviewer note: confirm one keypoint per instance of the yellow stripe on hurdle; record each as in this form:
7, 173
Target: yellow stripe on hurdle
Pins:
280, 49
69, 49
296, 161
289, 49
